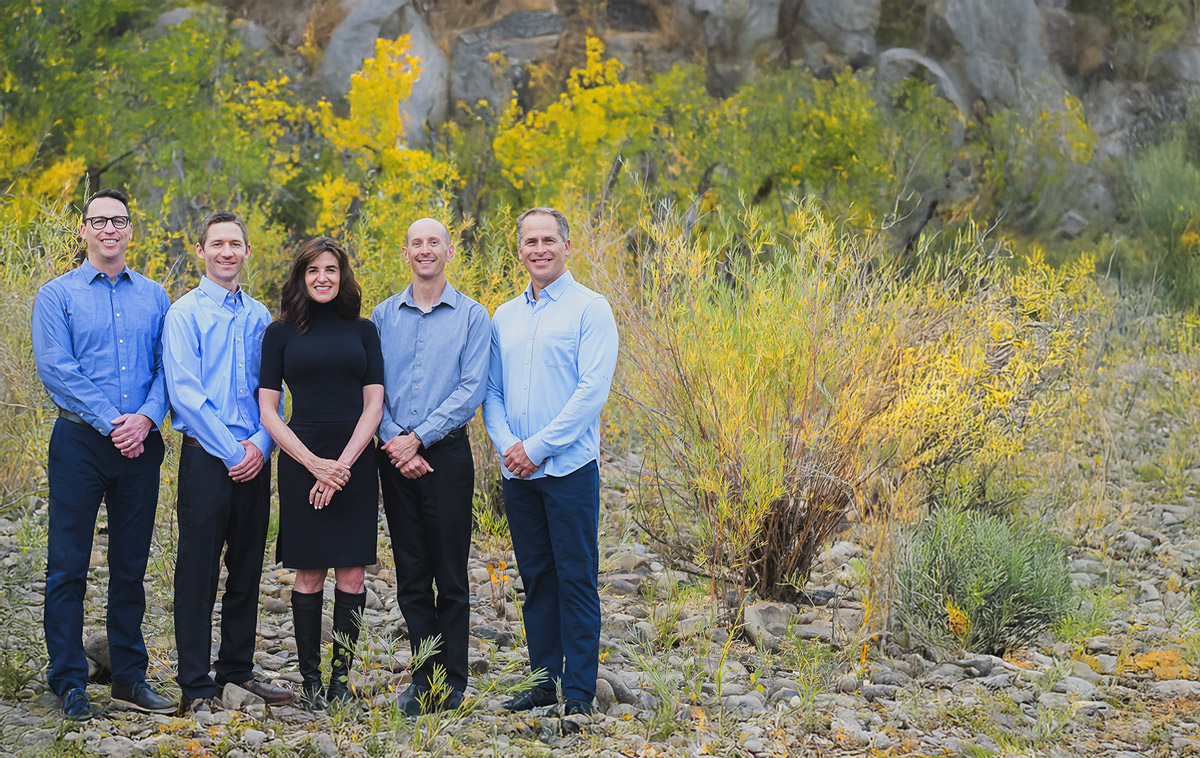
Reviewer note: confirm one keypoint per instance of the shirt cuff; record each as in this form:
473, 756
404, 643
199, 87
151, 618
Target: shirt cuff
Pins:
236, 458
154, 412
262, 440
388, 431
536, 450
427, 433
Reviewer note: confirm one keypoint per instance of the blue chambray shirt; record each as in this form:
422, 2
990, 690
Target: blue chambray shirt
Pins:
434, 364
97, 343
551, 366
212, 349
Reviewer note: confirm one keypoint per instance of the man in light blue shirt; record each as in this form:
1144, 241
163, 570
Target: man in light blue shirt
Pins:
435, 358
97, 342
554, 350
212, 349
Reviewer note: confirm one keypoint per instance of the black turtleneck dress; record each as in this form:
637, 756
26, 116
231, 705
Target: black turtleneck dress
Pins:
325, 369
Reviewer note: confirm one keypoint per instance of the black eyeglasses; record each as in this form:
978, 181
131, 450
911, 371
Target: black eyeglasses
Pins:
99, 222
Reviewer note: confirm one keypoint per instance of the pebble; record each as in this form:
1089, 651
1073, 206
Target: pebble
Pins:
275, 605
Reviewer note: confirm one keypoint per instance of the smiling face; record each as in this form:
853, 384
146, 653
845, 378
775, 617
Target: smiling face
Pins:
427, 249
224, 252
542, 249
322, 277
106, 247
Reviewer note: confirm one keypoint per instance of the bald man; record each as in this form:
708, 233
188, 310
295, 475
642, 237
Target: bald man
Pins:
436, 343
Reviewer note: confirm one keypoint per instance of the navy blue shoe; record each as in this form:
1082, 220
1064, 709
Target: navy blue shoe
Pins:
530, 699
76, 706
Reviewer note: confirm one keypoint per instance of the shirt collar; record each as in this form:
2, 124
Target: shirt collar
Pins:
449, 297
554, 290
219, 293
90, 272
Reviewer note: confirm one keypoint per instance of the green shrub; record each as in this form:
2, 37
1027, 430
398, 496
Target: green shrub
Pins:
979, 582
1164, 184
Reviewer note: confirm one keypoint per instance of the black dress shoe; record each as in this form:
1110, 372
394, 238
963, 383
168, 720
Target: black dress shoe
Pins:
573, 707
409, 701
529, 699
450, 702
140, 697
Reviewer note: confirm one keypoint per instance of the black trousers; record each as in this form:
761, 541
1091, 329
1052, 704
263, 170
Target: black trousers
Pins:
216, 512
430, 522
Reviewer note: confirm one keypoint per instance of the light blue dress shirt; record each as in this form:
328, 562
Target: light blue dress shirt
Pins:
97, 344
435, 364
551, 365
212, 349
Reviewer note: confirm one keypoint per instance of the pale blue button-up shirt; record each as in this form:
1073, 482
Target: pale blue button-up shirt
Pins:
434, 364
551, 366
212, 349
97, 344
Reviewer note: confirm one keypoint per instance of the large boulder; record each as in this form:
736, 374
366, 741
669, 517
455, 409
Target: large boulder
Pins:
353, 41
490, 62
731, 34
846, 27
1000, 47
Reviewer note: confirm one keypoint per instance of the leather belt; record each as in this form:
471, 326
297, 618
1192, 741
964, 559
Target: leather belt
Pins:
63, 413
450, 436
191, 441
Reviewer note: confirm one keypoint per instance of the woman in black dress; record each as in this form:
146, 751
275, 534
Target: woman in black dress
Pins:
328, 491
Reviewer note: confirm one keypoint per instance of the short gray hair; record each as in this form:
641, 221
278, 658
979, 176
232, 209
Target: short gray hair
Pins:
563, 230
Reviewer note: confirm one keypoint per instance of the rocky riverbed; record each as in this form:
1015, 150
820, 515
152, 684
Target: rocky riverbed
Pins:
794, 680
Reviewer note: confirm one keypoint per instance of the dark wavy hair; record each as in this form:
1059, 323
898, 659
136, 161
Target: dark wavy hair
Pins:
294, 303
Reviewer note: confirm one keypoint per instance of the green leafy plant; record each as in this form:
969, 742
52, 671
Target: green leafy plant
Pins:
1010, 583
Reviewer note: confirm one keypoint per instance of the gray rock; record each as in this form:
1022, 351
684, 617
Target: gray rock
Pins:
873, 692
489, 63
819, 632
95, 647
1090, 710
628, 561
743, 704
1071, 685
116, 746
605, 696
621, 691
269, 662
1147, 592
891, 678
1181, 688
1083, 671
944, 675
1054, 700
325, 745
253, 738
766, 623
235, 698
1108, 664
353, 41
847, 27
1001, 50
499, 636
996, 681
1129, 544
275, 605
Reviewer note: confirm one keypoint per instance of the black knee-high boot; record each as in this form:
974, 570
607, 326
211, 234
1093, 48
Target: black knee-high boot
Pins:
306, 621
347, 613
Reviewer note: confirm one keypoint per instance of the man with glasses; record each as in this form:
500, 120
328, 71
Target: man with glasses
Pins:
212, 348
96, 340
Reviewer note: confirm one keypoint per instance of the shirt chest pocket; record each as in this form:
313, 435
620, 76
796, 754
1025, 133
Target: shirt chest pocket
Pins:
559, 348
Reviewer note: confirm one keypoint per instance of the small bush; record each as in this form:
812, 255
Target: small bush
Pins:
973, 581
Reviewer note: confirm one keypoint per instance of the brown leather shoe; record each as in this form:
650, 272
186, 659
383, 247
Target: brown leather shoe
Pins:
270, 694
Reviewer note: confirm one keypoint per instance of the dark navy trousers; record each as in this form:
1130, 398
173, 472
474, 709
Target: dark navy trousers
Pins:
215, 514
554, 522
85, 468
